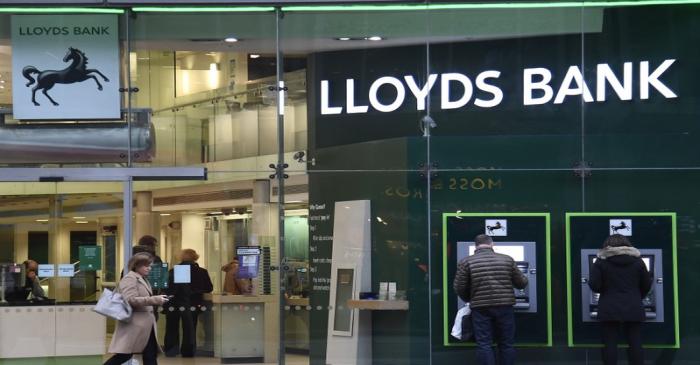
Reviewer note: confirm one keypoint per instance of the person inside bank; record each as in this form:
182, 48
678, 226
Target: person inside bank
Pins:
186, 304
234, 285
21, 283
623, 280
149, 244
32, 284
139, 334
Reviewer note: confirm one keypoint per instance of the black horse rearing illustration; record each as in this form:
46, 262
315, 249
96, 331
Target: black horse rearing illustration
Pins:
622, 225
77, 71
494, 227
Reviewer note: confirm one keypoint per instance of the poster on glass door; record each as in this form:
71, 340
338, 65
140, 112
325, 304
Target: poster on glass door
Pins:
65, 67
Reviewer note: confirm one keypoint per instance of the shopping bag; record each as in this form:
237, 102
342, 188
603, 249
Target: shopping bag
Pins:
463, 329
113, 305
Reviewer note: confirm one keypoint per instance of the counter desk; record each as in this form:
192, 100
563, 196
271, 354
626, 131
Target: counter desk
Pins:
61, 330
246, 327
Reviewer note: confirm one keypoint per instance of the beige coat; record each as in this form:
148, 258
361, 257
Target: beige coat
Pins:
132, 337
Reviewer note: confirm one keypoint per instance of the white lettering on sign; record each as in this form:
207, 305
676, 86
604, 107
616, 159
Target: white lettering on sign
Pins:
468, 90
352, 108
573, 76
400, 94
482, 85
646, 79
420, 94
325, 108
543, 84
457, 90
606, 74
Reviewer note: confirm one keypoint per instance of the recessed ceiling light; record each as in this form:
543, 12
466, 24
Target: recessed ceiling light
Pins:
374, 38
343, 38
231, 40
254, 55
164, 214
42, 220
2, 81
215, 213
81, 222
78, 217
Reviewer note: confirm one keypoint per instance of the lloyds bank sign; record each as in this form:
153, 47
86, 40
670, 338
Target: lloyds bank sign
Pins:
633, 80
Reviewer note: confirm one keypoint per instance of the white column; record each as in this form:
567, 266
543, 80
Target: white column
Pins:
59, 248
145, 222
193, 235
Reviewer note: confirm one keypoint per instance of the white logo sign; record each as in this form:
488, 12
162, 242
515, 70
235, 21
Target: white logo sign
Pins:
65, 67
621, 226
496, 227
537, 88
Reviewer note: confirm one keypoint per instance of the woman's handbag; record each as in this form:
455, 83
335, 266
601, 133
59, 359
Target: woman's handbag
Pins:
113, 305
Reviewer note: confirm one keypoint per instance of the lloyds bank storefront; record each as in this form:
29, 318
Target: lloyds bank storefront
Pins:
347, 154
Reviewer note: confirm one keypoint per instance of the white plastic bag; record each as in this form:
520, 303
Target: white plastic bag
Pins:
457, 327
131, 361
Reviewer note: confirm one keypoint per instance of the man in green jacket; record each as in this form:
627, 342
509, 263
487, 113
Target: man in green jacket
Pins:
486, 280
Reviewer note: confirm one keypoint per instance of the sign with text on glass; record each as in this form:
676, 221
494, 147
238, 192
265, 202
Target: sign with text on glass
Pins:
248, 261
47, 270
90, 258
65, 67
158, 277
66, 270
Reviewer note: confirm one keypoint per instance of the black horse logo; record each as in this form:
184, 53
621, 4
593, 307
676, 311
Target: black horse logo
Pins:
621, 226
496, 226
77, 71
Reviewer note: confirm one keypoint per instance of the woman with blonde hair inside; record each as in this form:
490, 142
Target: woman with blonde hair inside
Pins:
139, 334
190, 296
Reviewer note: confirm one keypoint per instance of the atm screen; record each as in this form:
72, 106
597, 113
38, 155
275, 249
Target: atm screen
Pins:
516, 252
648, 261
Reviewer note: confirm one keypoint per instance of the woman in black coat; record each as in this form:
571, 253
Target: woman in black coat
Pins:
622, 280
185, 306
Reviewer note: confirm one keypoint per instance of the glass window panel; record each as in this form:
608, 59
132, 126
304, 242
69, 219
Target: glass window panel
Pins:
207, 101
349, 76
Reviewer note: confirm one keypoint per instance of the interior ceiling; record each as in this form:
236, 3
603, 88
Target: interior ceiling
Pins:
317, 32
305, 33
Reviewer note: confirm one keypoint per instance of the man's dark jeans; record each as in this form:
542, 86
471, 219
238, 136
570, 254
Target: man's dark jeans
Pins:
494, 323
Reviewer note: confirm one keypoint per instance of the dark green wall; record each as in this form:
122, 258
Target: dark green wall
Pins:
642, 154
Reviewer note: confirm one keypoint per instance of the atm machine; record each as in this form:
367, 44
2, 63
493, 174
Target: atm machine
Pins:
525, 256
653, 302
